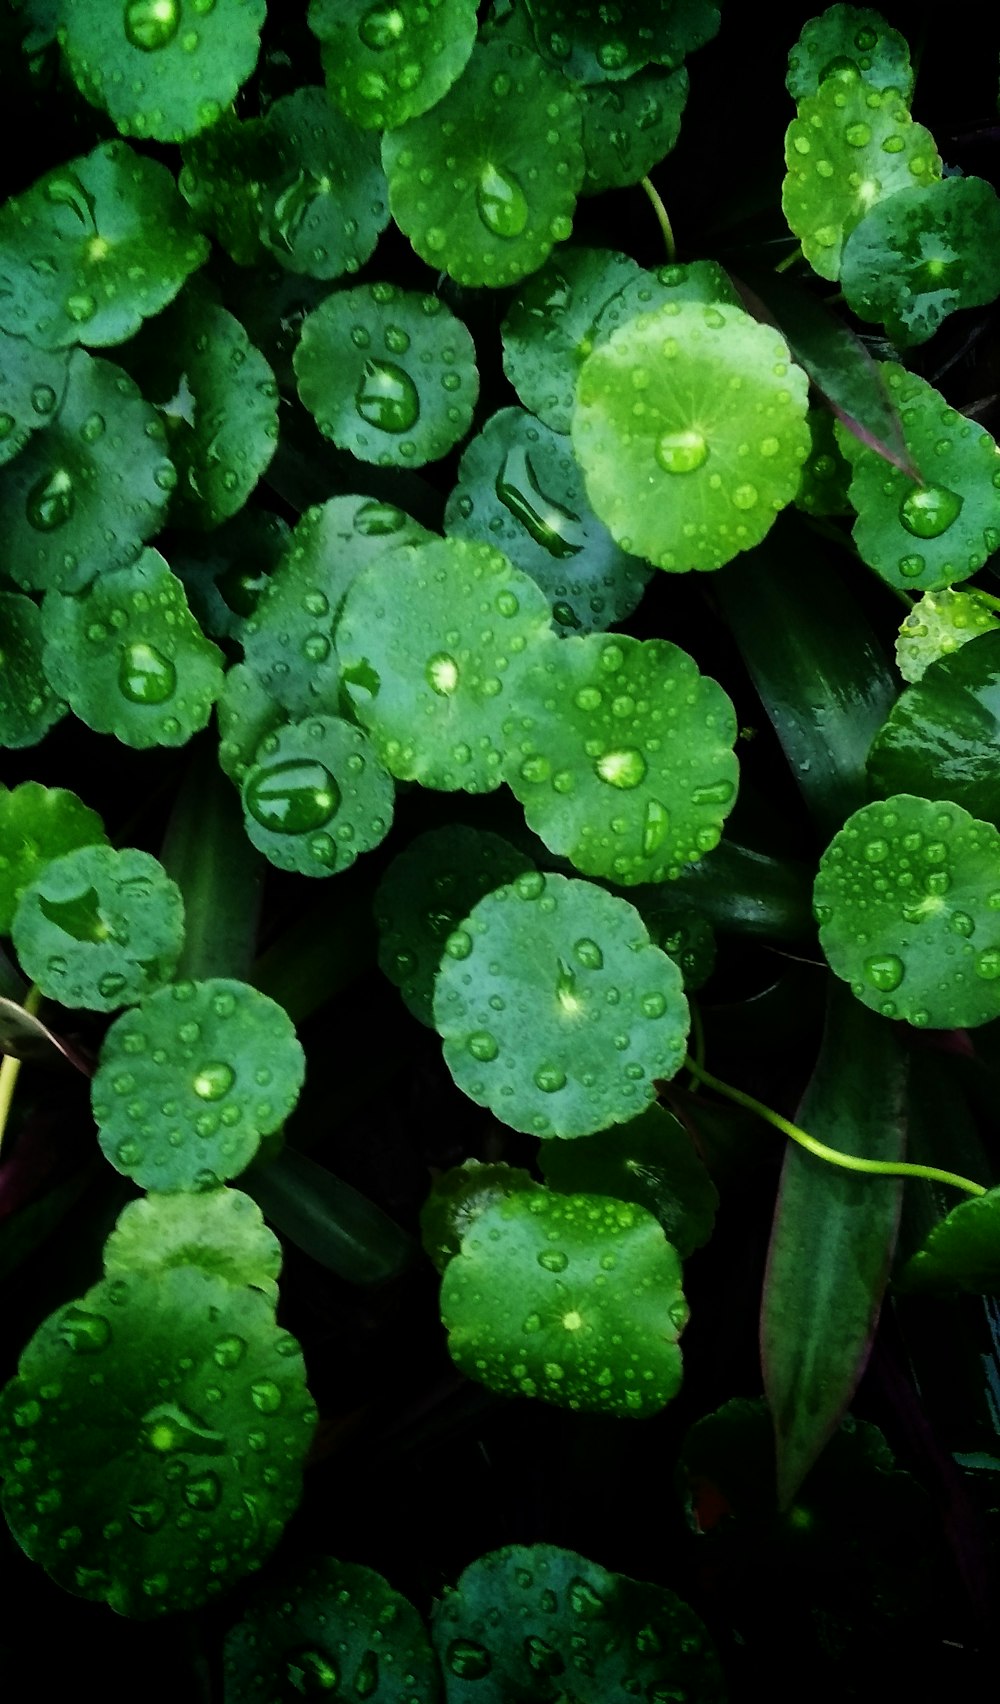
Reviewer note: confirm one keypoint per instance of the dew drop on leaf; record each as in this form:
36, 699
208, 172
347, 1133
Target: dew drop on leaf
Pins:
387, 397
151, 24
468, 1660
624, 768
501, 202
51, 501
214, 1080
145, 675
589, 954
988, 964
885, 972
294, 797
550, 1079
311, 1673
929, 511
681, 452
382, 27
83, 1332
442, 674
483, 1046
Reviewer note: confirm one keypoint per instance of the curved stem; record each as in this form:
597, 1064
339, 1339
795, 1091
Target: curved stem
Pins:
664, 219
790, 259
698, 1031
849, 1162
10, 1068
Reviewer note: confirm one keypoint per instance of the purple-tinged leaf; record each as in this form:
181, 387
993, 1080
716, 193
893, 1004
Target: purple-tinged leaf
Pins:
25, 1037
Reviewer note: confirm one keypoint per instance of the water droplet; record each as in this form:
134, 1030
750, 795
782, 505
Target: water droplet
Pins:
168, 1429
111, 985
653, 1005
885, 972
541, 1657
202, 1491
266, 1396
547, 522
911, 566
719, 793
962, 923
229, 1352
297, 796
589, 954
151, 24
553, 1259
311, 1672
583, 1600
681, 452
625, 768
145, 675
84, 1332
148, 1515
550, 1079
467, 1660
459, 944
441, 674
51, 501
382, 27
746, 497
387, 397
483, 1046
535, 769
988, 964
929, 511
213, 1080
502, 204
43, 399
858, 135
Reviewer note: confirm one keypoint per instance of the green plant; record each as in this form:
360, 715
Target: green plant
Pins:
329, 409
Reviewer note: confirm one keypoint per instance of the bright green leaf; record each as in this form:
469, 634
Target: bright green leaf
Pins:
316, 796
922, 254
551, 327
389, 60
937, 625
457, 1199
38, 824
962, 1251
851, 35
220, 1231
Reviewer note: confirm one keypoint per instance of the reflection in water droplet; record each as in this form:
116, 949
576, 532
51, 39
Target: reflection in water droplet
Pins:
483, 1046
988, 964
266, 1396
681, 452
542, 518
84, 1332
885, 972
229, 1352
589, 954
297, 796
80, 307
145, 675
51, 501
653, 1005
624, 768
311, 1673
929, 511
553, 1259
467, 1660
541, 1657
148, 1515
214, 1080
550, 1079
502, 204
150, 24
382, 27
387, 397
441, 673
169, 1429
202, 1491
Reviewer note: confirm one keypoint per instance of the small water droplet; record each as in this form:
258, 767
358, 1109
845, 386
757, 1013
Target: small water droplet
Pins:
214, 1080
84, 1332
468, 1660
151, 24
80, 307
387, 397
148, 1515
681, 452
202, 1491
929, 511
483, 1046
624, 768
553, 1259
441, 674
459, 944
145, 675
297, 796
550, 1079
589, 954
858, 135
502, 203
51, 501
266, 1396
962, 923
718, 793
229, 1352
311, 1673
541, 1657
885, 972
746, 497
653, 1005
988, 964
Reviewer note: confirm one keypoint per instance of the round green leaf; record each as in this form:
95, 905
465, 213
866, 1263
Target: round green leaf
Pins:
630, 126
937, 625
851, 35
89, 489
221, 180
702, 281
161, 68
691, 431
555, 1009
486, 183
962, 1252
221, 1231
457, 1199
246, 713
323, 200
685, 936
129, 657
575, 1299
649, 1161
593, 43
850, 147
38, 824
425, 892
536, 1623
316, 796
190, 1080
288, 639
387, 62
153, 1440
330, 1627
551, 327
431, 640
622, 756
920, 255
922, 537
99, 928
219, 401
942, 734
520, 488
388, 375
32, 382
93, 248
224, 572
28, 705
908, 902
826, 473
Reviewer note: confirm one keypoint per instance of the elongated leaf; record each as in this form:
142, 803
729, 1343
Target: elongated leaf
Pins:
833, 1238
819, 669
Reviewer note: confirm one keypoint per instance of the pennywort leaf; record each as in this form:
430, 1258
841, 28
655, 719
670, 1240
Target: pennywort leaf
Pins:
29, 706
593, 45
322, 199
457, 1199
385, 63
630, 126
32, 381
220, 1231
316, 796
937, 625
853, 36
38, 824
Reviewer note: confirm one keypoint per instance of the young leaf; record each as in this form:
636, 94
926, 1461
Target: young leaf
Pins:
962, 1251
555, 1009
32, 382
388, 374
172, 1473
38, 824
594, 44
218, 1230
315, 796
937, 626
854, 35
430, 641
160, 68
323, 200
99, 928
129, 657
486, 182
551, 327
189, 1082
941, 736
575, 1299
622, 755
519, 488
908, 902
387, 63
691, 431
458, 1198
29, 706
832, 1238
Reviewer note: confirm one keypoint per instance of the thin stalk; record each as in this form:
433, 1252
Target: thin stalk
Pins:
833, 1157
219, 873
10, 1069
790, 259
663, 219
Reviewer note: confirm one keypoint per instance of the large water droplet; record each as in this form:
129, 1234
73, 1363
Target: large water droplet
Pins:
885, 972
84, 1332
550, 1079
929, 510
311, 1673
382, 27
988, 964
51, 501
294, 797
624, 768
266, 1396
468, 1660
553, 1260
542, 518
214, 1080
681, 452
483, 1046
541, 1657
150, 24
202, 1491
442, 674
502, 204
229, 1352
169, 1429
589, 954
387, 397
145, 675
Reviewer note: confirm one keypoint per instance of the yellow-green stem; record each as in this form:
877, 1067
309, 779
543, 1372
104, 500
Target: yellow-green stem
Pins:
664, 219
10, 1068
789, 259
849, 1162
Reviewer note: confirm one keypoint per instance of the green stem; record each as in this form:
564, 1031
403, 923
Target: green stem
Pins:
663, 218
219, 873
790, 259
698, 1031
849, 1162
10, 1069
987, 597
